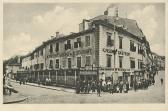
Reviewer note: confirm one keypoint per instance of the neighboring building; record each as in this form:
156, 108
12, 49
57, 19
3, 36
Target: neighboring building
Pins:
11, 66
159, 61
105, 48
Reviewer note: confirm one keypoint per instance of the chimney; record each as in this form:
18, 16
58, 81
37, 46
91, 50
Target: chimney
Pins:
52, 37
57, 34
106, 12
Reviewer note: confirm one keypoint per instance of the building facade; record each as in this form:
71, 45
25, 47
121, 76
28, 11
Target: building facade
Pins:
107, 48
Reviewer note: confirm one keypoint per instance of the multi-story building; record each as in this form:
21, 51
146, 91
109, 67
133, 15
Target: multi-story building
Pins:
106, 47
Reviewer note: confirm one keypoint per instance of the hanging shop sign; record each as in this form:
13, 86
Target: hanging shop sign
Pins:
70, 53
120, 52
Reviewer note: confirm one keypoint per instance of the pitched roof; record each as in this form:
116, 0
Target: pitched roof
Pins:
131, 25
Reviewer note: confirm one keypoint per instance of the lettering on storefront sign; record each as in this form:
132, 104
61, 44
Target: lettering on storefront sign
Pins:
123, 53
71, 53
119, 52
116, 69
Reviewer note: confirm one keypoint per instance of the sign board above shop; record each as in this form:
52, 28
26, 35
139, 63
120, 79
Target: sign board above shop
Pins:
120, 52
71, 53
116, 69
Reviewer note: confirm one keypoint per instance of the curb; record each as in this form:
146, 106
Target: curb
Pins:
17, 101
60, 89
51, 88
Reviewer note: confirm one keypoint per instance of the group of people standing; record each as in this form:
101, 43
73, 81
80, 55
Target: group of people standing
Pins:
85, 87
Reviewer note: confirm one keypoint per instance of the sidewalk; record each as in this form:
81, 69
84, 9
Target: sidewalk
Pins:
13, 98
50, 87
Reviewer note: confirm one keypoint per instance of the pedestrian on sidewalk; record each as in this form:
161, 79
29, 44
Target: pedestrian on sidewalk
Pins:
111, 88
98, 89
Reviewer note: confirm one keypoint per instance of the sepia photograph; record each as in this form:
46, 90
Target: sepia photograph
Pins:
84, 53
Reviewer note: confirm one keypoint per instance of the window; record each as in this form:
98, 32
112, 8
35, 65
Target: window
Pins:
78, 61
140, 64
132, 63
69, 62
42, 66
51, 64
120, 42
51, 48
109, 60
57, 47
37, 54
68, 45
110, 42
88, 60
132, 47
140, 50
32, 56
41, 52
78, 43
120, 61
57, 63
87, 40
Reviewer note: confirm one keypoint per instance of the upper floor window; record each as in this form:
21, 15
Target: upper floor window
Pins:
69, 62
32, 56
88, 60
51, 48
57, 47
87, 41
78, 43
42, 65
110, 42
132, 46
140, 49
140, 64
109, 60
120, 61
120, 42
132, 63
78, 61
68, 45
41, 52
57, 63
51, 64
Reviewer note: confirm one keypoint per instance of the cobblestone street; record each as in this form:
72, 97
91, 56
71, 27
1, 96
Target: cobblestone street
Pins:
154, 94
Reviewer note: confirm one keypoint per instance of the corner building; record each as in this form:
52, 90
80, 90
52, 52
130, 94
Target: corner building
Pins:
106, 47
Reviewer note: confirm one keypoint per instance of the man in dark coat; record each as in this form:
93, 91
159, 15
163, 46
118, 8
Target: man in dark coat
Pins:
98, 89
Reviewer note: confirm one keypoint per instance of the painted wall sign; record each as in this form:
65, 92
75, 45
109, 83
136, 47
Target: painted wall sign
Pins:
116, 69
119, 52
123, 53
71, 53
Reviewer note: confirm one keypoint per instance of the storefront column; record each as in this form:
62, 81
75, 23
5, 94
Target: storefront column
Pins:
43, 74
49, 74
65, 76
38, 75
75, 77
56, 76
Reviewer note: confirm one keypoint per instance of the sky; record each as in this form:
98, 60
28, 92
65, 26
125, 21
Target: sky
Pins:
27, 25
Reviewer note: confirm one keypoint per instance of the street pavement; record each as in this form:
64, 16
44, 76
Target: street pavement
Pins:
39, 95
